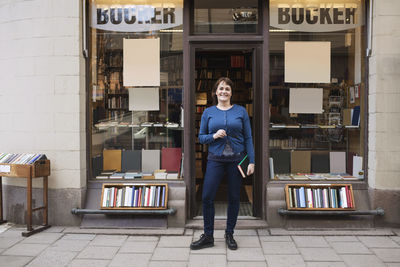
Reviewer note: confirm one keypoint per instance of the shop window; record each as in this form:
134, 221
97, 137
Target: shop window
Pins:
136, 83
317, 90
225, 17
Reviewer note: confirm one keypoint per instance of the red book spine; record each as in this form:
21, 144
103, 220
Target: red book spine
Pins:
348, 197
148, 197
139, 197
115, 197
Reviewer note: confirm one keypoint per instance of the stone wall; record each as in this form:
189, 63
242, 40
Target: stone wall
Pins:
42, 95
384, 111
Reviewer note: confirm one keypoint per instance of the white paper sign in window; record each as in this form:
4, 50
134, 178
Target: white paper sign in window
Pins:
305, 100
307, 62
141, 62
144, 99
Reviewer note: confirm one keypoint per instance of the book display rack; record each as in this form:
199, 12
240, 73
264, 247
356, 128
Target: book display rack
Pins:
134, 196
39, 168
319, 197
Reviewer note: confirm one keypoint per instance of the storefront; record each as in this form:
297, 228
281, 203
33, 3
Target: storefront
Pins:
298, 68
117, 88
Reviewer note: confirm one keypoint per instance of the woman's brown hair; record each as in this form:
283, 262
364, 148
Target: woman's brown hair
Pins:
214, 90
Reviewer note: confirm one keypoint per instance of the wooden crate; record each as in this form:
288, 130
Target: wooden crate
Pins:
139, 185
318, 186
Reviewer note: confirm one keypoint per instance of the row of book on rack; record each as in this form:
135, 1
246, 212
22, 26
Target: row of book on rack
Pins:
20, 158
157, 174
330, 197
134, 196
131, 164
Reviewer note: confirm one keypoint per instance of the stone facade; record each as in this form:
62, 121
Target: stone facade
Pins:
384, 110
42, 95
43, 107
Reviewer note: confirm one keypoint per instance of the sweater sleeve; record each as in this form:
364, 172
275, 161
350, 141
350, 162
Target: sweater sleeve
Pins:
204, 136
248, 139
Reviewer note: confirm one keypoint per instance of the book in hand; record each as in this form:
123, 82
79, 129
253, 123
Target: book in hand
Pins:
242, 166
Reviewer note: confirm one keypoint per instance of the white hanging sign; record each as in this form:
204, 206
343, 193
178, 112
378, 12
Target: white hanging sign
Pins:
136, 18
321, 16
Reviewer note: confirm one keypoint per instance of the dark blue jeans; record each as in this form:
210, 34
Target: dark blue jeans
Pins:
214, 174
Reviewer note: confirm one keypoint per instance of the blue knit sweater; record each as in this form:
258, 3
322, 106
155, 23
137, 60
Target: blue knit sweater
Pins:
235, 121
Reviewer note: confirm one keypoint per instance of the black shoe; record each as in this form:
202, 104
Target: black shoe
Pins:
232, 245
205, 241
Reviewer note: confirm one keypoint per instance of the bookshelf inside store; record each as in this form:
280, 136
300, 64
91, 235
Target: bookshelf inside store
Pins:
127, 143
319, 197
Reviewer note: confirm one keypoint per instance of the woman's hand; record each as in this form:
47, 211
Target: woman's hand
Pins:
219, 134
250, 169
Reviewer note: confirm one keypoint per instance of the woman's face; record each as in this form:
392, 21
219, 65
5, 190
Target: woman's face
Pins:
224, 92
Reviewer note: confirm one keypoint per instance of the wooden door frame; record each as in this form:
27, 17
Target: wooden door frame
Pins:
189, 139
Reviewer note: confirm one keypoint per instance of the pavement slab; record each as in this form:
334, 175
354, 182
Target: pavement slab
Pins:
325, 264
362, 261
171, 254
276, 248
319, 254
168, 264
388, 254
102, 253
247, 264
282, 238
310, 241
285, 260
189, 232
88, 263
79, 237
218, 248
142, 238
108, 240
378, 242
54, 229
245, 254
248, 241
175, 241
50, 258
14, 261
25, 249
243, 232
207, 260
69, 245
6, 242
138, 247
350, 248
262, 232
124, 260
42, 238
396, 239
341, 239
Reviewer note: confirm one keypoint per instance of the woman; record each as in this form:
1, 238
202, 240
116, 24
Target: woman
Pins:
226, 129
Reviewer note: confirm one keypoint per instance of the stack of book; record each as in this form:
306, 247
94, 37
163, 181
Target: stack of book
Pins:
20, 158
134, 196
327, 197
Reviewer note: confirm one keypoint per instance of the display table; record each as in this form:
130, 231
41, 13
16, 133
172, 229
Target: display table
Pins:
39, 169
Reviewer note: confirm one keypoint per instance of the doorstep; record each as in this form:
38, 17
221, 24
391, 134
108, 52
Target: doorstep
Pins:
221, 224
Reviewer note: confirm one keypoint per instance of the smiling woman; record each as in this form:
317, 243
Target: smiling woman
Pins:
226, 129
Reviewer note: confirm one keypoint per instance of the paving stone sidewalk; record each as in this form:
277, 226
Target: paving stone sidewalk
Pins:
59, 246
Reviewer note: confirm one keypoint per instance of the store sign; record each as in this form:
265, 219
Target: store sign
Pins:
309, 16
135, 18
